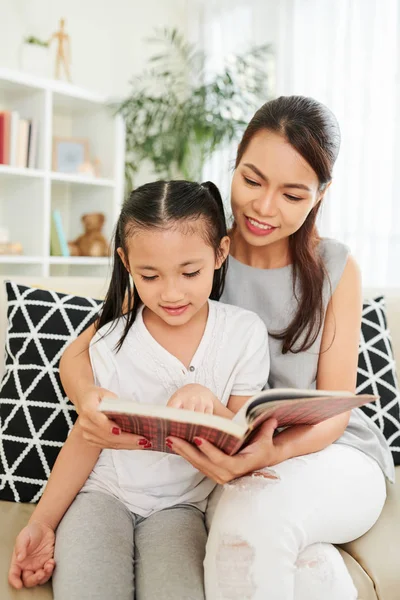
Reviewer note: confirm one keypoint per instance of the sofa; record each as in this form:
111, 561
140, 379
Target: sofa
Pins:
373, 560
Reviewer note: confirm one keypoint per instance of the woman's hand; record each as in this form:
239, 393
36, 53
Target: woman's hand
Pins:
32, 561
194, 397
215, 464
100, 431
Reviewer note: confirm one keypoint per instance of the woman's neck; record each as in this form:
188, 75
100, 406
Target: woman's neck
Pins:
272, 256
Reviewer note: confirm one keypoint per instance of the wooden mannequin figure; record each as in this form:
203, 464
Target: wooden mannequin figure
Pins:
63, 57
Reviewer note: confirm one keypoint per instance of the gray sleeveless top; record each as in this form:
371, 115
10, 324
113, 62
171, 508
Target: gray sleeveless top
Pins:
269, 293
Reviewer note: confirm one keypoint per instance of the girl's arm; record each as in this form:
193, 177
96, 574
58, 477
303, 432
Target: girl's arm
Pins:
71, 469
337, 367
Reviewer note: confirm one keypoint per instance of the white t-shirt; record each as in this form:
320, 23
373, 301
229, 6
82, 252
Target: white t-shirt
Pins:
231, 359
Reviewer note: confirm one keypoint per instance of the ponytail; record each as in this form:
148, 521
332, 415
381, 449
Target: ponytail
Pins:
215, 193
220, 274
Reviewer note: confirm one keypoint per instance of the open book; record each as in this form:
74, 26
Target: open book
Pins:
288, 406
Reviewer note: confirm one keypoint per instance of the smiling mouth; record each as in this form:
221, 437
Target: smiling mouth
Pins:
259, 224
175, 310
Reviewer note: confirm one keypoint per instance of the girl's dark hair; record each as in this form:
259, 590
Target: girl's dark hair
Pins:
312, 129
161, 204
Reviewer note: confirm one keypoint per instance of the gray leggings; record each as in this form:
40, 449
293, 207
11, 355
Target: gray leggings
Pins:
105, 552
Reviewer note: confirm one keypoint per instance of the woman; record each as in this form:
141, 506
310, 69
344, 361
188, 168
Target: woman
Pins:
328, 483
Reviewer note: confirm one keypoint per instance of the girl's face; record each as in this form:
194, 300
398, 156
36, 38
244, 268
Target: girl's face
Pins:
173, 270
273, 190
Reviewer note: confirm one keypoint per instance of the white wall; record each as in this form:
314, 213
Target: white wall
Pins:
107, 36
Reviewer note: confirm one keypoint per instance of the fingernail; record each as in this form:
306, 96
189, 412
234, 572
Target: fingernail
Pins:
143, 442
197, 441
116, 430
168, 443
148, 446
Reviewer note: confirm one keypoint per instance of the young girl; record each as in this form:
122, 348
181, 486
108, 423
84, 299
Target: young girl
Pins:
176, 346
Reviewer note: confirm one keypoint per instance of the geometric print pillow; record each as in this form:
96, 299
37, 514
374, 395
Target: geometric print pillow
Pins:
376, 373
35, 414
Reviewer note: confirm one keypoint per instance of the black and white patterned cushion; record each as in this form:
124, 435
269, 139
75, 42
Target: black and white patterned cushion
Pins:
35, 414
376, 373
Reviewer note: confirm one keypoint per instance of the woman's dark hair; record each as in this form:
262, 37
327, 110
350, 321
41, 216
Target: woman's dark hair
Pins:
312, 129
161, 204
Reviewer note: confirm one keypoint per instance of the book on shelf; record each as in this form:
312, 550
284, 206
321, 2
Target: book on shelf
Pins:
58, 241
288, 406
18, 140
22, 143
14, 137
5, 118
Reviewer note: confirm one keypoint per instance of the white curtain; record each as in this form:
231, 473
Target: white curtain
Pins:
344, 53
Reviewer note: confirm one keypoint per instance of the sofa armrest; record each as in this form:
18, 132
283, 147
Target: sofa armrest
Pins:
378, 551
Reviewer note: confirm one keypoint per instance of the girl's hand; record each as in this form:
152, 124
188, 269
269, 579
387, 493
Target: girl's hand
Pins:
100, 431
215, 464
32, 561
194, 397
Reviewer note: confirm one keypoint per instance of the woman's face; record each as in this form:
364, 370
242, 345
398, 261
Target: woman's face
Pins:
273, 190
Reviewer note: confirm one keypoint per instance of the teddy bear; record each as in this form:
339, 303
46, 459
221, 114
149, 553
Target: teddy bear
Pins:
92, 242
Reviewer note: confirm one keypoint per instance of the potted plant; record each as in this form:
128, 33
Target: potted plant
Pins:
34, 56
178, 114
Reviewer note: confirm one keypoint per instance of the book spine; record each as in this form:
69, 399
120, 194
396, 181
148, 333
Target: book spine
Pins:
2, 119
14, 138
22, 146
28, 151
6, 138
60, 232
33, 145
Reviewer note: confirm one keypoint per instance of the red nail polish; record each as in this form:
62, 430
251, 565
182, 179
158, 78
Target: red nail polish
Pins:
168, 443
148, 446
143, 442
197, 441
116, 430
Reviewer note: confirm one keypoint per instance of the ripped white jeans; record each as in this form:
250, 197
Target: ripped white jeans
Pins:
271, 539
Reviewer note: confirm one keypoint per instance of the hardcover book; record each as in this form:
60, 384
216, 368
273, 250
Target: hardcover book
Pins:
289, 406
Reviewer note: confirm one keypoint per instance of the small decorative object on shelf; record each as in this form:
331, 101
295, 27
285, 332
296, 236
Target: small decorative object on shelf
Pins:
7, 247
11, 248
63, 56
70, 155
90, 168
92, 242
86, 168
34, 56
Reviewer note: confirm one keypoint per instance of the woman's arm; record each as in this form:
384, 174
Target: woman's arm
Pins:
71, 469
78, 381
75, 369
32, 561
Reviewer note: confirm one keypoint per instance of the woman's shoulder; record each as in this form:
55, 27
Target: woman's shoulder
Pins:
335, 255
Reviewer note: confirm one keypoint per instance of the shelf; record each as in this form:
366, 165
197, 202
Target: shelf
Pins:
20, 171
79, 260
81, 179
29, 197
21, 259
67, 94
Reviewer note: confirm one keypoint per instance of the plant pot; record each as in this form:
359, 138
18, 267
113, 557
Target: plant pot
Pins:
35, 59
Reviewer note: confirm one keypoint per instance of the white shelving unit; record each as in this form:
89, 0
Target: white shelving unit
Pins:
28, 196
